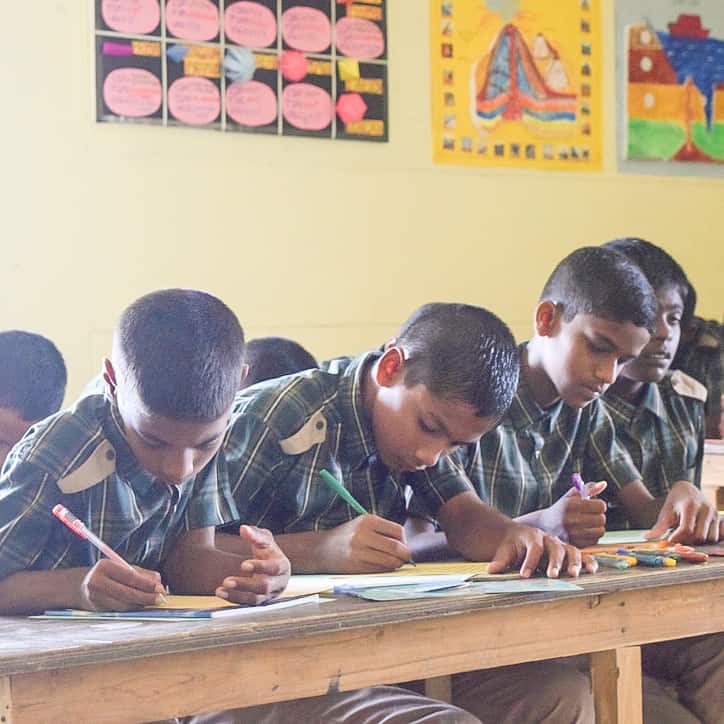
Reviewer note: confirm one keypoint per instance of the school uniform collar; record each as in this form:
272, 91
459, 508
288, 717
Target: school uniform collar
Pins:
358, 440
652, 401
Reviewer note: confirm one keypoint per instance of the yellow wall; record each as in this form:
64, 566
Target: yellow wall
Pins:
333, 243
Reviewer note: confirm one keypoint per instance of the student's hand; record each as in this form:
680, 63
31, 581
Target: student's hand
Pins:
531, 548
694, 518
366, 544
109, 586
262, 577
575, 519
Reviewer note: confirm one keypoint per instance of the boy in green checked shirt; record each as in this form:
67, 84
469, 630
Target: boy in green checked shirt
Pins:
659, 415
659, 418
444, 381
141, 467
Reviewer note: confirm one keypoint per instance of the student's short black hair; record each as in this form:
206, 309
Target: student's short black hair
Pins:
182, 351
32, 374
462, 353
270, 357
604, 283
660, 268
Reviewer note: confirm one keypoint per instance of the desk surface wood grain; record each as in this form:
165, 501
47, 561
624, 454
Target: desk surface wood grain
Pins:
29, 645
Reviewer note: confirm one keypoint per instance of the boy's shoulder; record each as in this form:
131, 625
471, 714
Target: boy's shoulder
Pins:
70, 447
678, 383
287, 404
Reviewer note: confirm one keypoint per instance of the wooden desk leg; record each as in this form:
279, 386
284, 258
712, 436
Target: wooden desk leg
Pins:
440, 688
616, 678
6, 701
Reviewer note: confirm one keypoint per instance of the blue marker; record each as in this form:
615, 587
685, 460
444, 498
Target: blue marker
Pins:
646, 559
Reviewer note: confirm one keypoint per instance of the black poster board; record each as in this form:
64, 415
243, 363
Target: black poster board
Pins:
314, 68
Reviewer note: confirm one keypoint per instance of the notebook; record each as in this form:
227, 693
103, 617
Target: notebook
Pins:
181, 608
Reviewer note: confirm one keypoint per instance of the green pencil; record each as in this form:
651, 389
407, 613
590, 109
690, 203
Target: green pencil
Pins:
341, 491
345, 495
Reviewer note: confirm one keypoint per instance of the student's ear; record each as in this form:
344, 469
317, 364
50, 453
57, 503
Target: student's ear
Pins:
390, 367
547, 318
390, 343
109, 377
244, 374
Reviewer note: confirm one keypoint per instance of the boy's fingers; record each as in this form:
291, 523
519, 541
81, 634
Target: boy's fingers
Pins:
143, 580
556, 554
660, 527
573, 561
126, 596
273, 567
594, 489
505, 557
257, 536
532, 558
387, 528
379, 561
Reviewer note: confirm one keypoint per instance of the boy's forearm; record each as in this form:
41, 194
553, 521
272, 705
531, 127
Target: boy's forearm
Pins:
641, 508
31, 592
307, 552
473, 528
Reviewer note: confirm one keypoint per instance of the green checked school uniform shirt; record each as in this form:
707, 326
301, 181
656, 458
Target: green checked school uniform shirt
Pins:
526, 463
286, 430
663, 433
80, 458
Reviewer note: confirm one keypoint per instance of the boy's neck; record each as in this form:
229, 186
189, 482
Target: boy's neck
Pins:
532, 370
629, 390
369, 388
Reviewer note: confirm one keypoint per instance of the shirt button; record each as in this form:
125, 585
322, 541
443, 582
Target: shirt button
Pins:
110, 455
319, 425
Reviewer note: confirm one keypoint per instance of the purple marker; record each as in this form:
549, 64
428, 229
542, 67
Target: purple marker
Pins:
577, 481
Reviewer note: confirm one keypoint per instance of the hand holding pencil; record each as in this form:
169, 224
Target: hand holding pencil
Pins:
112, 584
366, 544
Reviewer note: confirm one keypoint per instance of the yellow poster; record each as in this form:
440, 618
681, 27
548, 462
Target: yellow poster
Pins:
517, 83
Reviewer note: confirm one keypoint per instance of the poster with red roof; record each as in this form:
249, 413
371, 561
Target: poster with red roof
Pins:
517, 83
315, 68
671, 58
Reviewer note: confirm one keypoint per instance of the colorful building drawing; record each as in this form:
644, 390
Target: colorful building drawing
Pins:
675, 91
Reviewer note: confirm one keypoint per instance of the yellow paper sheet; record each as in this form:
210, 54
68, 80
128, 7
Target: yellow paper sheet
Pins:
448, 568
203, 603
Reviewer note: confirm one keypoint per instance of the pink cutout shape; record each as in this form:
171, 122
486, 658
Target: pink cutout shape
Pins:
193, 100
307, 107
251, 104
306, 29
293, 65
131, 16
192, 19
250, 24
351, 107
132, 92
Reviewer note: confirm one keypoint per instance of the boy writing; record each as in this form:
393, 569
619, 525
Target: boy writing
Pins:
140, 467
32, 384
444, 381
659, 418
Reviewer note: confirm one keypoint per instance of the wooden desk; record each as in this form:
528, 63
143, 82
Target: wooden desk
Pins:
109, 671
